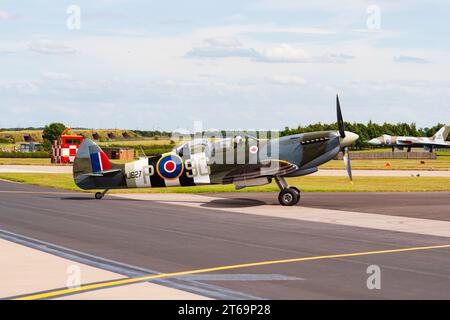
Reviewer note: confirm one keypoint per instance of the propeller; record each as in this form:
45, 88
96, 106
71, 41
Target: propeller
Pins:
345, 141
348, 167
340, 120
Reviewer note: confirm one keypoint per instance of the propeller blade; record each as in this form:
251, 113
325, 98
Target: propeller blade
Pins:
347, 163
340, 120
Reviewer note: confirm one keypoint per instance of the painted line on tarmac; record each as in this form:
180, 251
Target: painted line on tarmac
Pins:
89, 287
130, 271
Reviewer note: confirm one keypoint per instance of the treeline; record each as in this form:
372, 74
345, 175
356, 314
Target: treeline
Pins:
369, 130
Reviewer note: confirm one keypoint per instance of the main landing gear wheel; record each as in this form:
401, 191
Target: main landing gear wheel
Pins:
288, 196
296, 189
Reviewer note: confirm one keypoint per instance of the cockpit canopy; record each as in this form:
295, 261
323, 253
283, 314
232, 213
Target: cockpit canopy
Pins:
208, 147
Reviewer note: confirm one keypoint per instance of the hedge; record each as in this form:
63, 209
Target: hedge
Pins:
37, 154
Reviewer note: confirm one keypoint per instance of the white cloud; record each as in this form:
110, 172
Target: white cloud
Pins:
287, 80
222, 52
410, 59
283, 53
233, 30
223, 42
21, 87
50, 47
56, 76
341, 6
6, 15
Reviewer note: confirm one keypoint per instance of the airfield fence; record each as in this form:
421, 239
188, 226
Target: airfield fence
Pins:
389, 155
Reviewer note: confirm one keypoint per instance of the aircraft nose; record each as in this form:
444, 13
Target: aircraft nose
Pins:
374, 141
350, 139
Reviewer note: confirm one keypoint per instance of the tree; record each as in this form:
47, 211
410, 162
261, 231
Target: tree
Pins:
51, 133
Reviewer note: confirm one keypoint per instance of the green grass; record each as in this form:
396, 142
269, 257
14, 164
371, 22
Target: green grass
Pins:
308, 184
442, 163
443, 153
26, 161
7, 146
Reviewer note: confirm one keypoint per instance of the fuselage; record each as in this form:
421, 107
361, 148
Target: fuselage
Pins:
242, 161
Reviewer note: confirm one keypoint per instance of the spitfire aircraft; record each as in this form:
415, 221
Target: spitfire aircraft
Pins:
435, 142
203, 162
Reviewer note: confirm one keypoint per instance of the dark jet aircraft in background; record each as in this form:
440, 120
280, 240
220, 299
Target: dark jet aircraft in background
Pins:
435, 142
203, 162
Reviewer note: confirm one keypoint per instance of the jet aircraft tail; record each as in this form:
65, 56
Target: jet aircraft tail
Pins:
442, 134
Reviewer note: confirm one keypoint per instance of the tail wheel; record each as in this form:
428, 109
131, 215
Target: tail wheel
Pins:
289, 197
99, 195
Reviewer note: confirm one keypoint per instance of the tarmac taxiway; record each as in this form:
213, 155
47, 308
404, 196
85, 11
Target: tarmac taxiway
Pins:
226, 246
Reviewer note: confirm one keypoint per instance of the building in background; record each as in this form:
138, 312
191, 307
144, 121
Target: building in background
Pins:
64, 149
116, 153
29, 147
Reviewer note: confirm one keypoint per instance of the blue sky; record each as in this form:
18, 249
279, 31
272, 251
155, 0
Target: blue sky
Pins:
231, 64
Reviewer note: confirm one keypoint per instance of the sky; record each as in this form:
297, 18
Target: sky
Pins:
255, 64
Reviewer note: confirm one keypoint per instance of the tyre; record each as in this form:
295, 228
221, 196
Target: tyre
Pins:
98, 195
296, 189
289, 197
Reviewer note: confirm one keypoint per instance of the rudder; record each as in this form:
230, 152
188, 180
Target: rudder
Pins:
442, 134
92, 168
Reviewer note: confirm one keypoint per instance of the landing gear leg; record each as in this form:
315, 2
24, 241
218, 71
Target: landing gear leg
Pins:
288, 196
100, 195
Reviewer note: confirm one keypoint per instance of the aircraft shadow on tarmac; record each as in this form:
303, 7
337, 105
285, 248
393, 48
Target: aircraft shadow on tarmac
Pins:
215, 203
233, 203
88, 198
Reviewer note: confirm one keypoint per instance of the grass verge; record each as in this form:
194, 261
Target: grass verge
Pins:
440, 164
26, 161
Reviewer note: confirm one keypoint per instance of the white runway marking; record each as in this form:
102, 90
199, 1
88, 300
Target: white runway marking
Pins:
346, 218
26, 270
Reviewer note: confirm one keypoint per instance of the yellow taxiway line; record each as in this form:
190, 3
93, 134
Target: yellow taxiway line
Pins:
88, 287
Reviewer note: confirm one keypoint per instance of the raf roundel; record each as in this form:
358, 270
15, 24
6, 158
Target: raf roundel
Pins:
253, 149
170, 167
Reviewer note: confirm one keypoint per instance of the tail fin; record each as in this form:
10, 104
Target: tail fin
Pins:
90, 158
93, 169
442, 134
99, 160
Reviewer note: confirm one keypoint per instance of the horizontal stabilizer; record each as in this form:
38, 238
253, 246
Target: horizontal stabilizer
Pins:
101, 173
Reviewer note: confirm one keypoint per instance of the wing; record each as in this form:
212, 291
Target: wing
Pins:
263, 169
